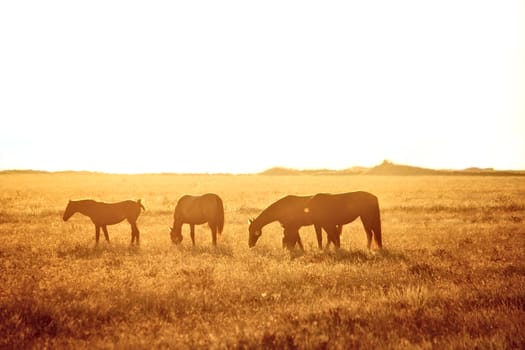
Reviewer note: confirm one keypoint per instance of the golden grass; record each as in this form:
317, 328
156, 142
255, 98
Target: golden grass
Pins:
452, 274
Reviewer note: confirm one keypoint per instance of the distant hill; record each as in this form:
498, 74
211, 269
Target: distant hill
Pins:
281, 171
389, 168
386, 168
23, 171
392, 169
289, 171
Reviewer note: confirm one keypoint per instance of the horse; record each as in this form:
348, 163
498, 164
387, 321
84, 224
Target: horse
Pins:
103, 214
291, 237
289, 211
197, 210
332, 210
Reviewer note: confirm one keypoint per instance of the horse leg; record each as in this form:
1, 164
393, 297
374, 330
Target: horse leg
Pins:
333, 235
368, 230
328, 240
192, 234
338, 232
319, 234
135, 233
299, 242
132, 234
368, 236
97, 234
105, 230
213, 229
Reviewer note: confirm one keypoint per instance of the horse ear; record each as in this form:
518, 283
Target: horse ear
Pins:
250, 221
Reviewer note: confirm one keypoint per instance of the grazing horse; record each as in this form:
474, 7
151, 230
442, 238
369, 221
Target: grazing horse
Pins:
197, 210
289, 211
103, 214
331, 210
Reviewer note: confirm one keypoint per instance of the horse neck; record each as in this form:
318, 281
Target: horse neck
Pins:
177, 226
84, 207
267, 216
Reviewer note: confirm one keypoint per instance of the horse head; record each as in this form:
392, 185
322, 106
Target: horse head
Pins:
69, 211
176, 235
254, 233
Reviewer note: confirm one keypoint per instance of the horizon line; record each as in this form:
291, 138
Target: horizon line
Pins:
352, 170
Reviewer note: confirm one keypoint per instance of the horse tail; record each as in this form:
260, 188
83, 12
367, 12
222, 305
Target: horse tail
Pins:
140, 204
377, 225
220, 215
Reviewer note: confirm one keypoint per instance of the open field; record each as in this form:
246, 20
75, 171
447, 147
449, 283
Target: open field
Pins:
452, 274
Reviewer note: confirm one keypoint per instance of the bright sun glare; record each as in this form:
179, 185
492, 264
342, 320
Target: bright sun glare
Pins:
239, 86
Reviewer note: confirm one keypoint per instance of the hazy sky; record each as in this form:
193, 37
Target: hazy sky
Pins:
240, 86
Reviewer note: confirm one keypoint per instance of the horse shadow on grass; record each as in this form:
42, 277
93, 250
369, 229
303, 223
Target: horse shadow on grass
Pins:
334, 255
219, 250
88, 251
353, 256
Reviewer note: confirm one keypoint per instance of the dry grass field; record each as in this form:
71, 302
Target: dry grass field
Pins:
452, 274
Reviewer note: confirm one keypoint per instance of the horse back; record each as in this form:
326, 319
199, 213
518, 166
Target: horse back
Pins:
357, 201
113, 213
344, 207
198, 209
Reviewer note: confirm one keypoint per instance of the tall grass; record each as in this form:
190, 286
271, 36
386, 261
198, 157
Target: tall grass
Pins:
452, 274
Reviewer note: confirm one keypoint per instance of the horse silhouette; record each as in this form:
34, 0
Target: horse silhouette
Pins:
103, 214
289, 211
332, 210
197, 210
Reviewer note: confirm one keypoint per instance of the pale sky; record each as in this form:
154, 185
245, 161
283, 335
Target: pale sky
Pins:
241, 86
